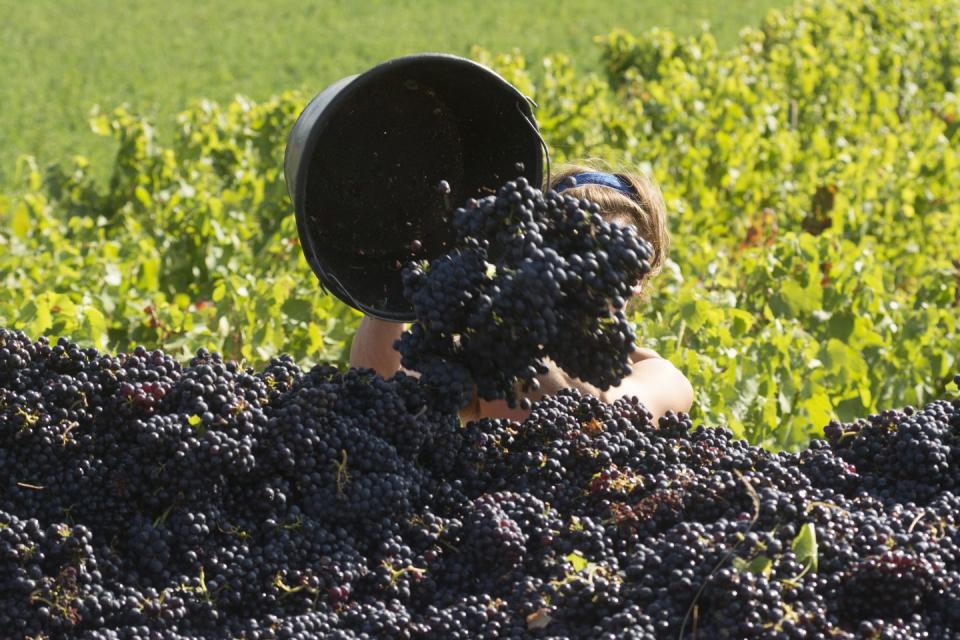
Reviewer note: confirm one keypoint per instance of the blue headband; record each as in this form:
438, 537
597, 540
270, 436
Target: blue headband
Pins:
604, 180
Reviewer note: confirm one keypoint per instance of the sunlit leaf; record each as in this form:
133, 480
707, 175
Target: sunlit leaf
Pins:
805, 546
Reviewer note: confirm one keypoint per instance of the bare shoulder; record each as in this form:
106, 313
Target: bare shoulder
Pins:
639, 354
657, 383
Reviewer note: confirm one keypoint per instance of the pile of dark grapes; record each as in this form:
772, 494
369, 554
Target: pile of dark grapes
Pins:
144, 499
530, 277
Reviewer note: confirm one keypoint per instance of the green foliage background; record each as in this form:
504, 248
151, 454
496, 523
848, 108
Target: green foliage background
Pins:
810, 173
59, 58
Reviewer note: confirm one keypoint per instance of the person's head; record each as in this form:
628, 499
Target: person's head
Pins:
643, 208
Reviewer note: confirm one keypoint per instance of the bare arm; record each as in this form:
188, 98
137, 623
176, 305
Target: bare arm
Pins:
659, 385
372, 346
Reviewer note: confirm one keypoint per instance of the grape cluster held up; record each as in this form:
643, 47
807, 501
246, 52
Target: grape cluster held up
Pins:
531, 276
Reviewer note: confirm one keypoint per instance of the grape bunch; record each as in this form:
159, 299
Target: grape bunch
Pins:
219, 502
530, 277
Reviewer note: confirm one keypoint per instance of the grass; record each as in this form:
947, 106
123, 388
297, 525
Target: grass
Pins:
61, 58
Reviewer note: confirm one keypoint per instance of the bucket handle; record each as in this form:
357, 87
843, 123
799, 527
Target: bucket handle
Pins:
543, 143
336, 281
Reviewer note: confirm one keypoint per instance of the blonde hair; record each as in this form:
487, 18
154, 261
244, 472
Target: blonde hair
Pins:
646, 212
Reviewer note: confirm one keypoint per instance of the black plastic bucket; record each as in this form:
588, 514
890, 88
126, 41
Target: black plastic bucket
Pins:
365, 156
